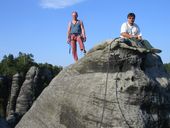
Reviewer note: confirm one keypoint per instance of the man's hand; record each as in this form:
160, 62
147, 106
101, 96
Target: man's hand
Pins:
84, 39
136, 37
139, 37
68, 40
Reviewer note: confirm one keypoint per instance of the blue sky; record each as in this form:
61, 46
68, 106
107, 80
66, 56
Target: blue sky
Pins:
40, 26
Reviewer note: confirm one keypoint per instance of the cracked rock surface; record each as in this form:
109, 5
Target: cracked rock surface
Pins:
113, 86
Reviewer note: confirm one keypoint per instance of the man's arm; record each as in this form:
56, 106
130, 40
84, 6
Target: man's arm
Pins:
139, 33
83, 30
68, 32
124, 34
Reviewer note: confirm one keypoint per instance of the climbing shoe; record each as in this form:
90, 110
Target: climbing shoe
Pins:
154, 50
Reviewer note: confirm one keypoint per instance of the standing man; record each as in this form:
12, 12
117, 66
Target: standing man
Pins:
131, 33
76, 33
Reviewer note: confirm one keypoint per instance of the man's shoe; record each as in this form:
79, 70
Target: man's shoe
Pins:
84, 51
154, 50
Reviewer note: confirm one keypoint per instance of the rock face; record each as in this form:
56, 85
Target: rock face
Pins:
26, 95
22, 97
15, 89
24, 92
113, 86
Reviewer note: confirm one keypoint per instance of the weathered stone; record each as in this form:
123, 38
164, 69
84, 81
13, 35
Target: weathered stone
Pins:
25, 98
15, 88
111, 87
27, 92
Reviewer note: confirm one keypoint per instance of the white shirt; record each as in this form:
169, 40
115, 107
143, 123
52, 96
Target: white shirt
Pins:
132, 30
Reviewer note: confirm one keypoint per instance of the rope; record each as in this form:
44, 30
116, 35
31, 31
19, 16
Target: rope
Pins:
119, 103
106, 85
118, 99
105, 94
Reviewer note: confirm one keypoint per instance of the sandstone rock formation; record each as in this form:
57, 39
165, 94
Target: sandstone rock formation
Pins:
22, 97
113, 86
25, 96
15, 89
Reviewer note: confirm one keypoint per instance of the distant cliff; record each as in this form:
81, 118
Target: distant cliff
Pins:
113, 86
21, 82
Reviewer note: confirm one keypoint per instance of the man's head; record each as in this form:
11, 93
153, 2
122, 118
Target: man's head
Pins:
74, 15
131, 18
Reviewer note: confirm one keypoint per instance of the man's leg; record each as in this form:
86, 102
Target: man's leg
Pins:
146, 44
134, 42
74, 48
81, 44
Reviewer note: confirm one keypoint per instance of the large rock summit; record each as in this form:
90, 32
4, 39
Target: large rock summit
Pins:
113, 86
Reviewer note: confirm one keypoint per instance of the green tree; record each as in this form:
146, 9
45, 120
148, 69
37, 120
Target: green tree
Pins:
11, 65
24, 62
7, 65
167, 67
53, 69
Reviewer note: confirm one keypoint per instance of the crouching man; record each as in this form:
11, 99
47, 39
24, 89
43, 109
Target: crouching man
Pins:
131, 34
